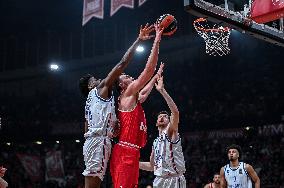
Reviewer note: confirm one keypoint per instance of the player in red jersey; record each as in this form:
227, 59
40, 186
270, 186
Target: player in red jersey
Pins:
215, 183
124, 164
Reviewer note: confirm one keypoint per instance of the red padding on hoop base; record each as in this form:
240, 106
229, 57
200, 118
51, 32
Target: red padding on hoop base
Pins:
264, 11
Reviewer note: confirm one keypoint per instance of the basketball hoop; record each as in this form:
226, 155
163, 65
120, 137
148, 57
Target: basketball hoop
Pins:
216, 37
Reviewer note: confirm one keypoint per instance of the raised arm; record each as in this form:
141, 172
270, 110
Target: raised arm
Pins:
144, 93
119, 68
253, 175
148, 166
223, 183
149, 70
174, 119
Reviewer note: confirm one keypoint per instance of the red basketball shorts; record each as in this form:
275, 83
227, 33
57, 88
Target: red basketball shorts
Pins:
124, 166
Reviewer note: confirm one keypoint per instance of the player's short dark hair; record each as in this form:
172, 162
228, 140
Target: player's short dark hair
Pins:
163, 112
235, 146
83, 84
216, 173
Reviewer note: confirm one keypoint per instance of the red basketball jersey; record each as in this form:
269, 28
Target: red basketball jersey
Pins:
133, 127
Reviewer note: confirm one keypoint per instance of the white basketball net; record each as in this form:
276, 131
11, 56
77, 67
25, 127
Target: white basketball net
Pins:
216, 37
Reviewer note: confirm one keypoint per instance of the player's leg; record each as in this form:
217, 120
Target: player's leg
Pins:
96, 155
170, 182
92, 182
124, 167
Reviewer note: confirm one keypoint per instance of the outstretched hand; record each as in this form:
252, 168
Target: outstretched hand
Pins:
161, 69
145, 32
160, 84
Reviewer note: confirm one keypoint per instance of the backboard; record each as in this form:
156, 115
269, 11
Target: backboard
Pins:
236, 14
263, 11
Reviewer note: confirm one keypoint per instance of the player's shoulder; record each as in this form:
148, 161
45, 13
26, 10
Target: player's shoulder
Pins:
247, 166
226, 166
243, 164
222, 169
156, 140
207, 185
93, 91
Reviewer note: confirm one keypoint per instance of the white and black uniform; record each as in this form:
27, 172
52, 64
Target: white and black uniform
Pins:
100, 116
3, 183
169, 165
237, 177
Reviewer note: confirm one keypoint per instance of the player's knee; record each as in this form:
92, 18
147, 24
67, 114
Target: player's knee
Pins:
92, 182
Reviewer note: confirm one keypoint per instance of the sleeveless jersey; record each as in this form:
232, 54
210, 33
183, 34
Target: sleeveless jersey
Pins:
133, 128
168, 156
100, 115
238, 177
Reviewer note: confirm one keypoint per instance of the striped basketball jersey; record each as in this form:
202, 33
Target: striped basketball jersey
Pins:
168, 157
100, 115
237, 177
133, 127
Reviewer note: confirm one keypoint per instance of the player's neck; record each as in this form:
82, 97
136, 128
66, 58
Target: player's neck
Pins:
161, 130
234, 163
216, 185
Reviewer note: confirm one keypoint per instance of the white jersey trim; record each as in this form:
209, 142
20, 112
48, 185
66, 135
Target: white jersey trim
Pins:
102, 99
233, 169
244, 166
173, 142
131, 110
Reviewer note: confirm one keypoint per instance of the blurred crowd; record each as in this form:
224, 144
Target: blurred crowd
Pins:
203, 155
209, 95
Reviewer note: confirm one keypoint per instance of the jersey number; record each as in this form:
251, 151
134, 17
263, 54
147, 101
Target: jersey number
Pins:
143, 127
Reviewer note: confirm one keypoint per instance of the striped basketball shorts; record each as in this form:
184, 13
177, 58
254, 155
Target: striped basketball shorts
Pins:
169, 182
96, 151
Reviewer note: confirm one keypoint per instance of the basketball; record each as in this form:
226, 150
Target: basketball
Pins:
169, 23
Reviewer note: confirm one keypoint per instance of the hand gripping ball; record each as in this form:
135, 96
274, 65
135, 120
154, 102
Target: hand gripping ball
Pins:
169, 23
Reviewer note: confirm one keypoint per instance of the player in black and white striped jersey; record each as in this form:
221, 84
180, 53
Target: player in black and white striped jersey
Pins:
167, 160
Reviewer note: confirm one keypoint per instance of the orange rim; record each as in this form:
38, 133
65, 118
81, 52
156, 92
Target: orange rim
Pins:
223, 29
